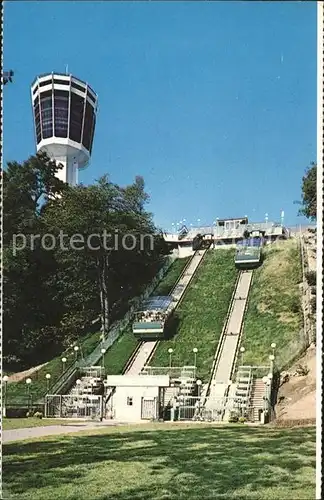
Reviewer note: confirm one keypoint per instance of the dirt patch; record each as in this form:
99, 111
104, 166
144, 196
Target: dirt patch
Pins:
262, 307
17, 377
286, 317
297, 398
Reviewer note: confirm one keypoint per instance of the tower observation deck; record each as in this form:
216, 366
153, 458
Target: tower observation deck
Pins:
64, 109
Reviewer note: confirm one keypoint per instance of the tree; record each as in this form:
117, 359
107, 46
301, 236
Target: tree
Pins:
52, 295
309, 192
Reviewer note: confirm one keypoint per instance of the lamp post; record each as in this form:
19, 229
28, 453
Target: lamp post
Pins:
242, 350
78, 383
195, 350
271, 357
267, 382
28, 382
270, 377
5, 380
170, 351
76, 348
199, 382
48, 378
103, 352
92, 384
273, 346
63, 364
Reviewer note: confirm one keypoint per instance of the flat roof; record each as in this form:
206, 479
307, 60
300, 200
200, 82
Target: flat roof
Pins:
157, 303
232, 218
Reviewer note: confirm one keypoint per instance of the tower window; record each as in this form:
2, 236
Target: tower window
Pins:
88, 124
76, 117
61, 113
46, 115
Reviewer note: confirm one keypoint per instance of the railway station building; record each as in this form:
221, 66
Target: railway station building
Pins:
136, 397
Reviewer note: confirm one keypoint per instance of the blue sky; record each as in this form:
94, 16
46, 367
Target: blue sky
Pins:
214, 103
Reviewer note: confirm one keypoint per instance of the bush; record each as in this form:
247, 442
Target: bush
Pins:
233, 417
242, 420
16, 412
294, 303
302, 370
311, 278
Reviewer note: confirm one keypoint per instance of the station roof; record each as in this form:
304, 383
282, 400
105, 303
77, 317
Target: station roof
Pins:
245, 219
157, 303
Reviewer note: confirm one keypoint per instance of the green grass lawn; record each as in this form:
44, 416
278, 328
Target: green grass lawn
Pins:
164, 462
23, 423
274, 311
201, 314
115, 359
119, 353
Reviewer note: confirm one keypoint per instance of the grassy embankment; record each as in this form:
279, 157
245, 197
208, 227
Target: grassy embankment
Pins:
115, 357
201, 314
17, 391
164, 461
274, 312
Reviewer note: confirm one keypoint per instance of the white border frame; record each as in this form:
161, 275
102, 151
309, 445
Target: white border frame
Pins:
320, 156
319, 254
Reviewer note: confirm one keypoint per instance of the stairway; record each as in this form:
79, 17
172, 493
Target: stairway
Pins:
187, 387
169, 395
244, 387
257, 398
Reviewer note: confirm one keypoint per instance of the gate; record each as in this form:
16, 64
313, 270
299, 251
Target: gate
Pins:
149, 408
53, 406
201, 409
72, 406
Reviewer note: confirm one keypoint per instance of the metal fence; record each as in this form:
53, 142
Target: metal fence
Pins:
254, 371
181, 372
213, 409
93, 371
73, 406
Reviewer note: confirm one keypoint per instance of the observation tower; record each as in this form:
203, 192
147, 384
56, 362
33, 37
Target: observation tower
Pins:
64, 109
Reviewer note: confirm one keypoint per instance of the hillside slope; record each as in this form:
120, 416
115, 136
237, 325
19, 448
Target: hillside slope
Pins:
201, 314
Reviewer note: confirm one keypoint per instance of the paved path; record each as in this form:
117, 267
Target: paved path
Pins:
51, 430
232, 334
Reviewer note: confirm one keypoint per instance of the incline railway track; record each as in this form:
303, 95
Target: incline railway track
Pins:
145, 350
231, 334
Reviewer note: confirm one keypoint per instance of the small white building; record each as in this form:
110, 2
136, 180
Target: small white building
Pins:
136, 397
